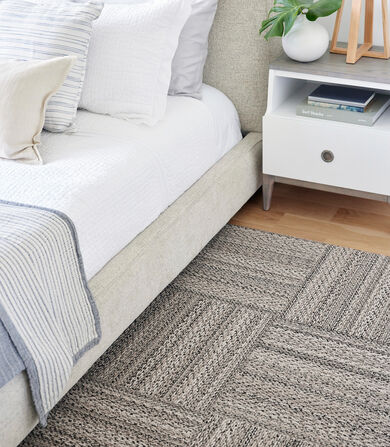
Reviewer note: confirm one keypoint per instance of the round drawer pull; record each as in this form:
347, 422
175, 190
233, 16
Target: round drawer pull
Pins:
327, 156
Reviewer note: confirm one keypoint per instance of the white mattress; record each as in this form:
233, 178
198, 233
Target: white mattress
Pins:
113, 178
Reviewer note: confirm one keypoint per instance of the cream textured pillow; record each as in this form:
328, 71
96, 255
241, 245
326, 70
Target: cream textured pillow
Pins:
25, 88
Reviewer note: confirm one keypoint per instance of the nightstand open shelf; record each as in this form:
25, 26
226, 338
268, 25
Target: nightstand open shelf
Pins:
319, 151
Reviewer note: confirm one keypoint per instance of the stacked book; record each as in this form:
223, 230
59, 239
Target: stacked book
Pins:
346, 104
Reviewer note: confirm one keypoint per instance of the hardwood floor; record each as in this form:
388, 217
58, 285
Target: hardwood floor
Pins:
321, 216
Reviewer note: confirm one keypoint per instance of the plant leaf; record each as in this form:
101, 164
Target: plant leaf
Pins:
290, 20
323, 8
283, 14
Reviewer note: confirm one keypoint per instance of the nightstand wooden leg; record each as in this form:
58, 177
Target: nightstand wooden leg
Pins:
268, 187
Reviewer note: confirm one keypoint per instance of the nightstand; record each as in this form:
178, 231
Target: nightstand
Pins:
318, 151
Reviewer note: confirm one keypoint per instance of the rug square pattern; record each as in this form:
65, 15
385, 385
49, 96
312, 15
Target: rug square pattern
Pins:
326, 391
227, 431
106, 417
348, 293
184, 360
262, 272
263, 341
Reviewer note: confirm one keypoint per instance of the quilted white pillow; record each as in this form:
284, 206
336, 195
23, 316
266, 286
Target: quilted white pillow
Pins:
130, 57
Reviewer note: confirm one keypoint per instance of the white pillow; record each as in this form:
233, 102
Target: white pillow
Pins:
45, 29
25, 89
191, 54
130, 58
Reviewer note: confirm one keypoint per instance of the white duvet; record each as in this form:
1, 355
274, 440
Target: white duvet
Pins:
113, 178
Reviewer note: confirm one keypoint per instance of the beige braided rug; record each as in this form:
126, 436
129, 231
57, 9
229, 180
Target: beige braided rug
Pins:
264, 340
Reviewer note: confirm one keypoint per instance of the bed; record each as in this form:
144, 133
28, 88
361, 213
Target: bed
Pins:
176, 185
138, 171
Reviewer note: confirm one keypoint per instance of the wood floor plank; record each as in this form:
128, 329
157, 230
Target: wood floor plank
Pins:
334, 233
364, 220
332, 199
321, 216
308, 208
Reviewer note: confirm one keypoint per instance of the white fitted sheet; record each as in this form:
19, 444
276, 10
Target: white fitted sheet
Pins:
113, 178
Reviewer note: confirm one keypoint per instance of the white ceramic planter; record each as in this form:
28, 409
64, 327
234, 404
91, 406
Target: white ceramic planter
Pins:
307, 41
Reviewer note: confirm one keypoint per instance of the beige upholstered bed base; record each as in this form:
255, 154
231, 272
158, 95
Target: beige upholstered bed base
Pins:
133, 278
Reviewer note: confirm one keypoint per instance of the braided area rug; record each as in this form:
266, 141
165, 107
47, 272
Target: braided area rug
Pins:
264, 340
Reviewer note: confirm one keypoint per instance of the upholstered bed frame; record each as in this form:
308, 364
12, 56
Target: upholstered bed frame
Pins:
237, 65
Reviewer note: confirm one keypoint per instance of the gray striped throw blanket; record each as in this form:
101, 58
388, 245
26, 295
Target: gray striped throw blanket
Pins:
46, 307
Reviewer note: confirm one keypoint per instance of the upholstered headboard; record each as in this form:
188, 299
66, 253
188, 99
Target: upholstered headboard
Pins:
239, 58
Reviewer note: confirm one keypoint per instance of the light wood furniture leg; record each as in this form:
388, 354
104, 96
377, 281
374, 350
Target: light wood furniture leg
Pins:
386, 32
268, 187
369, 22
354, 52
333, 44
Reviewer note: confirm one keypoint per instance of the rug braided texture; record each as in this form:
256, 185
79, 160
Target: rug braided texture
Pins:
264, 340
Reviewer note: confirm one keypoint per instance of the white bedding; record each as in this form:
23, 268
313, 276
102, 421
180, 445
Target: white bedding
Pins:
113, 178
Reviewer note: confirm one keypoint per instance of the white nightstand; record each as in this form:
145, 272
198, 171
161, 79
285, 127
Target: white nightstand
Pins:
318, 151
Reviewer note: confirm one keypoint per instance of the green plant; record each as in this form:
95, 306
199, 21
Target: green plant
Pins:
286, 12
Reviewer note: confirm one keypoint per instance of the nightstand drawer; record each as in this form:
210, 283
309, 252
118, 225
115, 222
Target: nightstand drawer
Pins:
344, 155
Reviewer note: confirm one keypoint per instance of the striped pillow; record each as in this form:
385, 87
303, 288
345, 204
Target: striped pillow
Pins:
44, 29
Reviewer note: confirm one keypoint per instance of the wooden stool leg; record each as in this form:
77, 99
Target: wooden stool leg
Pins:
354, 32
386, 35
369, 22
336, 31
